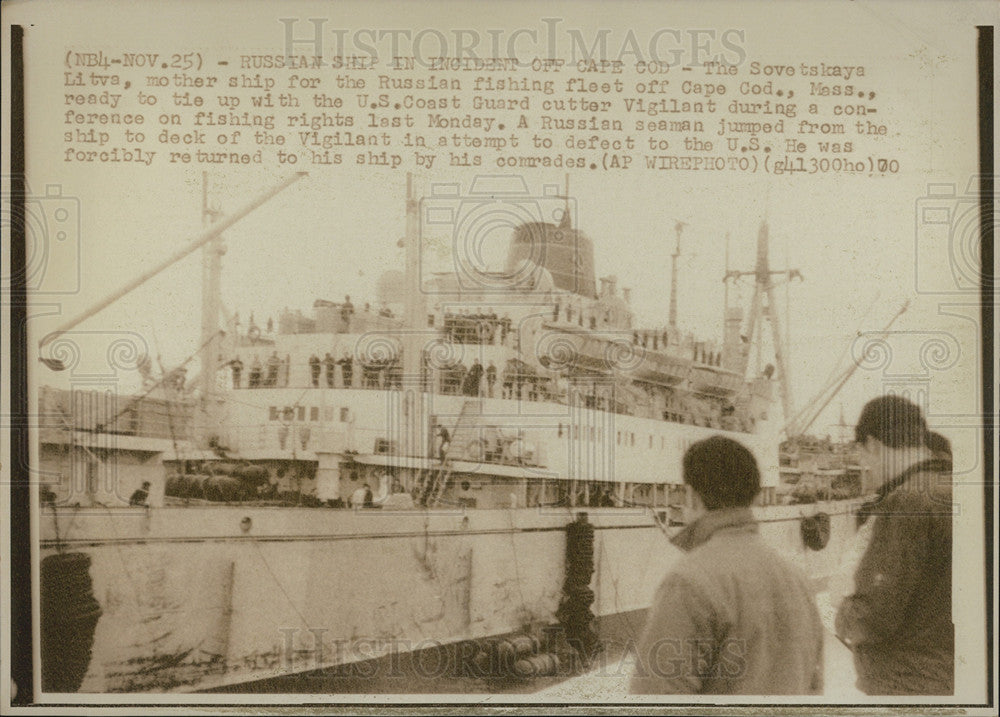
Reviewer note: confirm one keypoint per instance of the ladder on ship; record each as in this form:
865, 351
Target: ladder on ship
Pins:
463, 435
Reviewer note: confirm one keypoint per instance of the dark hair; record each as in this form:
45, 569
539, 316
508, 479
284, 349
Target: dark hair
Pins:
893, 421
938, 444
722, 472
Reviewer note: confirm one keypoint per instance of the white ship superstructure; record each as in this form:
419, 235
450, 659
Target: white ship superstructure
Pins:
547, 388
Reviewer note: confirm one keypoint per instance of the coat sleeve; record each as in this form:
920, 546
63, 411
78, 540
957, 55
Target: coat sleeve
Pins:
816, 683
886, 578
678, 638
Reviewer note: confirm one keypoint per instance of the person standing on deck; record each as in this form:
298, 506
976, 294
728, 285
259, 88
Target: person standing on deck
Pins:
315, 368
445, 438
330, 364
491, 378
237, 368
473, 378
140, 496
506, 324
346, 313
732, 617
898, 621
357, 499
507, 379
273, 364
255, 373
347, 369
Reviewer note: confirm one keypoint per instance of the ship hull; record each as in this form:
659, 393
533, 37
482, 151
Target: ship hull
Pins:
246, 598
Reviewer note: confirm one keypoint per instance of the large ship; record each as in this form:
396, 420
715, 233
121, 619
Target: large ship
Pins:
466, 484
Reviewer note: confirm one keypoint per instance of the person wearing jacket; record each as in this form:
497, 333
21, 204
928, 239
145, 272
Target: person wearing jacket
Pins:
898, 620
732, 617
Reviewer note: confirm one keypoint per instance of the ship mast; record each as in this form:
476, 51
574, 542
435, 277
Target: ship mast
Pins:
725, 282
764, 306
672, 320
843, 425
211, 301
772, 312
415, 312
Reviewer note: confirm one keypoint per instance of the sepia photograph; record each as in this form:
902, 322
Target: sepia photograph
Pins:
618, 356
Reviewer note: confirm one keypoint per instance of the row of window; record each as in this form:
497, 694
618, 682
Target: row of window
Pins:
626, 438
592, 433
298, 413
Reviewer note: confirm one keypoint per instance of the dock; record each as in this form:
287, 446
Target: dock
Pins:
609, 683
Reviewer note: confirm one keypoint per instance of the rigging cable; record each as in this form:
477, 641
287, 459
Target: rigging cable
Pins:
166, 396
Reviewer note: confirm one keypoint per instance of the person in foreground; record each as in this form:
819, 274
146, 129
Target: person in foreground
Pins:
898, 620
732, 617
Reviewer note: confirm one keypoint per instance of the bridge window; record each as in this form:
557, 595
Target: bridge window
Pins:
314, 413
273, 413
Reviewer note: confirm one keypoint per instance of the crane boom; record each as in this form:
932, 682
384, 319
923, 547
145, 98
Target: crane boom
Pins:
210, 233
832, 388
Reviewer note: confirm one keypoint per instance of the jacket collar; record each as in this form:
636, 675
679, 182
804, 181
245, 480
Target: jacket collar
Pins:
710, 523
930, 465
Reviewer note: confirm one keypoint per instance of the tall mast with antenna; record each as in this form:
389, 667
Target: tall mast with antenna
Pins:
725, 282
415, 308
211, 301
843, 425
763, 307
672, 318
788, 304
772, 312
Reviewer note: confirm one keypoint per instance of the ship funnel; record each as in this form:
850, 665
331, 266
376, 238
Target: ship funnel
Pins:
567, 254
